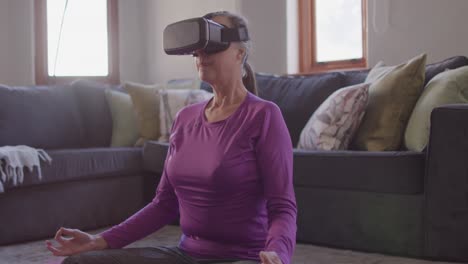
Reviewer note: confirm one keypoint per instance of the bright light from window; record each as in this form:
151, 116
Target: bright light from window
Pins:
83, 47
339, 30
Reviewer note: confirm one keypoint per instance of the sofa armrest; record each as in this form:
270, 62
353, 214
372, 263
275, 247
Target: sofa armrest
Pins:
446, 184
154, 156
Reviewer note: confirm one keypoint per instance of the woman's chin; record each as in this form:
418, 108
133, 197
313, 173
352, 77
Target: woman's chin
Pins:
204, 76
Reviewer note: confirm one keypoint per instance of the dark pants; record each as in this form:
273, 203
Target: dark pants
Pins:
147, 255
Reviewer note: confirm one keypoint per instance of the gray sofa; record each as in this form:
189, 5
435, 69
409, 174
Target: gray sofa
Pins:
88, 184
401, 202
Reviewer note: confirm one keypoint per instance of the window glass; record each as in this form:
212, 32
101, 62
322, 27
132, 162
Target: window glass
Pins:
338, 30
77, 38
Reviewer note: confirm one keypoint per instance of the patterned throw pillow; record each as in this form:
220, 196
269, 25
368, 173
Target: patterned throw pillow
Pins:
334, 123
173, 100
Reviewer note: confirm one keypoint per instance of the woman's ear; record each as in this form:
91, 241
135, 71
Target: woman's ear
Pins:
241, 54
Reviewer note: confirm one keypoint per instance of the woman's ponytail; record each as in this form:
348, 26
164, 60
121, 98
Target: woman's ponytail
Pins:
249, 79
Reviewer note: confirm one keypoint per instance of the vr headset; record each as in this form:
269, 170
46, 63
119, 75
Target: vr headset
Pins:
188, 36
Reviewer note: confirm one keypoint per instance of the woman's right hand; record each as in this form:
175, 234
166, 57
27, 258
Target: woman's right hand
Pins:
78, 242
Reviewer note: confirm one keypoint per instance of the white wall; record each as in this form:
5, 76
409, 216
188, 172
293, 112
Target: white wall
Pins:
268, 31
406, 28
16, 42
292, 52
133, 40
4, 40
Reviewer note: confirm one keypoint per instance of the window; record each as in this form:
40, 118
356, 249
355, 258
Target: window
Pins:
332, 35
76, 39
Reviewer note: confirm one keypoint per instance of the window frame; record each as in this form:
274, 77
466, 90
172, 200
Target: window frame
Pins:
41, 62
308, 42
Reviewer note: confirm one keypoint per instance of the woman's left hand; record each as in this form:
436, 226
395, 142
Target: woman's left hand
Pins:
269, 257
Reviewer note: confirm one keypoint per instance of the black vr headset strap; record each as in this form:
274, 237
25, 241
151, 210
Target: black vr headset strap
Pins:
234, 34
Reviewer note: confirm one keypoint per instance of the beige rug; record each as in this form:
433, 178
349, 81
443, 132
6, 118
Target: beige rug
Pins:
36, 252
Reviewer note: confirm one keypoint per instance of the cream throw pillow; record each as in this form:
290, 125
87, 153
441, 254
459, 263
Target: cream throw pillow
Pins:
393, 93
334, 123
173, 100
449, 87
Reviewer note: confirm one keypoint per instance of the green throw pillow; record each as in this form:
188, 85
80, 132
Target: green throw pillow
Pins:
449, 87
124, 122
393, 93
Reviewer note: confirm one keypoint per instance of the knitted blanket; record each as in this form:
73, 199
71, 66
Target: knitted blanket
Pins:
14, 158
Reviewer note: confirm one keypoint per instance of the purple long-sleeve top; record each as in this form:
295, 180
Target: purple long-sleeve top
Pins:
230, 181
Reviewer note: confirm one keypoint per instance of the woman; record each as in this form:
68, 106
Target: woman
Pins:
227, 174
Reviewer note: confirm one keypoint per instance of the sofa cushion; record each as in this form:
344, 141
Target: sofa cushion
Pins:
94, 111
386, 172
451, 63
39, 116
78, 164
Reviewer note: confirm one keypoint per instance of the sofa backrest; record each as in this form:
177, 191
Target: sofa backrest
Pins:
40, 116
56, 117
94, 111
298, 96
451, 63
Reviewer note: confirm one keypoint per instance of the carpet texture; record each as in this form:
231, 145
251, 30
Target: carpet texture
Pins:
36, 253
